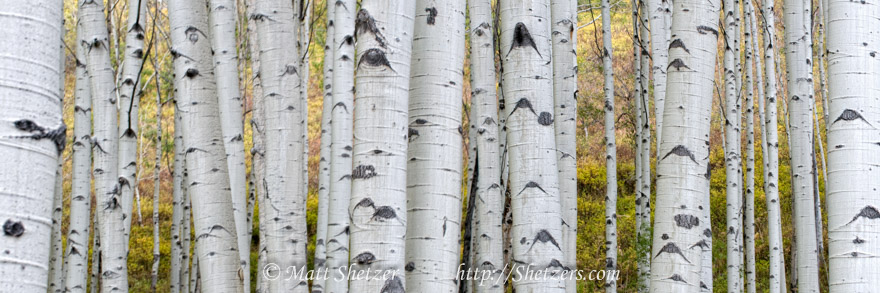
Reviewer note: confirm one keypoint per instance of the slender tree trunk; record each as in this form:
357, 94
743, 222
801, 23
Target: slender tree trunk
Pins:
853, 74
221, 19
96, 256
178, 265
799, 64
76, 255
771, 161
681, 233
749, 207
643, 194
732, 147
129, 98
434, 154
610, 149
378, 210
324, 180
535, 207
114, 275
157, 172
489, 196
563, 15
217, 247
660, 13
284, 200
338, 219
56, 264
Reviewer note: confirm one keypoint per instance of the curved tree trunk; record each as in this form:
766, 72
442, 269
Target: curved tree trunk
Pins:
854, 112
434, 154
732, 147
799, 64
284, 200
129, 98
771, 161
221, 19
214, 224
526, 48
324, 182
681, 235
378, 210
489, 203
114, 275
340, 148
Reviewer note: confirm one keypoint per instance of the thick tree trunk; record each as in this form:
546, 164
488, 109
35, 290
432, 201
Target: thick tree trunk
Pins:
434, 154
681, 232
771, 161
129, 98
610, 149
384, 31
324, 182
77, 253
749, 205
732, 147
114, 275
284, 200
489, 196
854, 112
527, 77
563, 14
221, 19
338, 219
799, 64
208, 178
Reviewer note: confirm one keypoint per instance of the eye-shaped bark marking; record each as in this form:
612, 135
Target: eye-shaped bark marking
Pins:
686, 221
210, 232
543, 236
850, 115
701, 244
340, 104
393, 285
705, 29
677, 43
868, 212
413, 134
681, 151
672, 248
375, 58
858, 240
365, 258
677, 278
366, 202
363, 172
192, 34
410, 266
384, 213
432, 14
545, 119
703, 286
678, 64
707, 232
523, 103
522, 38
13, 228
191, 73
531, 184
364, 23
58, 136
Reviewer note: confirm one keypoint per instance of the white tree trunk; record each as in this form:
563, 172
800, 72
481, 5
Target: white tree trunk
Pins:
96, 256
178, 215
527, 78
208, 178
643, 145
284, 200
563, 15
129, 98
771, 161
378, 210
732, 147
341, 145
324, 182
114, 275
221, 19
681, 233
749, 205
157, 184
660, 13
854, 112
56, 264
434, 155
489, 203
799, 64
610, 149
77, 253
32, 136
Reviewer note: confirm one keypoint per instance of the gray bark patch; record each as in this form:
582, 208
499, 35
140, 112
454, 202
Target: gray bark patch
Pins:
677, 278
365, 258
522, 38
13, 228
375, 58
705, 29
393, 285
545, 119
384, 212
850, 115
681, 151
364, 23
677, 43
58, 136
432, 15
867, 212
363, 172
678, 64
543, 236
525, 104
700, 244
672, 248
686, 221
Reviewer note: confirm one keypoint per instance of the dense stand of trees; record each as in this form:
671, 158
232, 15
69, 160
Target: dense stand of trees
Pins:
447, 140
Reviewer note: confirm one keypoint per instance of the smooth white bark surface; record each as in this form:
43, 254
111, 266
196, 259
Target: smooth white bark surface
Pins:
771, 160
732, 148
610, 149
749, 204
324, 182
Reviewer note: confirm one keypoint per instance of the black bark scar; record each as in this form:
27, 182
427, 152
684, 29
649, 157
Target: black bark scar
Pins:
522, 38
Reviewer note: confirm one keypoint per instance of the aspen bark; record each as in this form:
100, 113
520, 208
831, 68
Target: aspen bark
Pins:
732, 148
749, 204
384, 32
178, 215
56, 264
643, 145
660, 13
208, 177
771, 161
610, 149
129, 97
157, 184
853, 79
324, 182
681, 233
